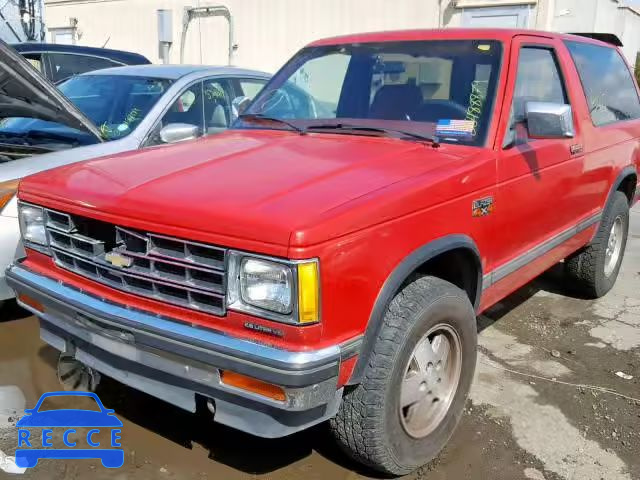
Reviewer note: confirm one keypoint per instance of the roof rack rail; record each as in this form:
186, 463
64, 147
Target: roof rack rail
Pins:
603, 37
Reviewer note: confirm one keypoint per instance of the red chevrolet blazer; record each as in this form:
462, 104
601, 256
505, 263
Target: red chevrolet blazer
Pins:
326, 258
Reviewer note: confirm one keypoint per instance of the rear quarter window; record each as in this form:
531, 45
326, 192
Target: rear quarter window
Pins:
607, 83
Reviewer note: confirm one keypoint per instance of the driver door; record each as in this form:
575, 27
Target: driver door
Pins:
539, 180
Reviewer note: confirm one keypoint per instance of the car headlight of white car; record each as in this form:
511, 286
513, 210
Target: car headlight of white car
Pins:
33, 226
276, 289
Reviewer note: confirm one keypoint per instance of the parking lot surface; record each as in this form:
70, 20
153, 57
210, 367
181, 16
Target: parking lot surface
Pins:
556, 396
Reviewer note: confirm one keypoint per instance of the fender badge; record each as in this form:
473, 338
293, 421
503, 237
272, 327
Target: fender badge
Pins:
576, 149
482, 207
118, 260
276, 332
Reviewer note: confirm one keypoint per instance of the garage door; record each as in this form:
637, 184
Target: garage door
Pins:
501, 17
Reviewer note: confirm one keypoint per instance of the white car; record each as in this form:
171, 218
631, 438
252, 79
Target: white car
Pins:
102, 113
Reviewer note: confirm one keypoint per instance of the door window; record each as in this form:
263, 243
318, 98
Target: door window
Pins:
607, 83
217, 105
538, 80
64, 65
35, 59
250, 87
187, 108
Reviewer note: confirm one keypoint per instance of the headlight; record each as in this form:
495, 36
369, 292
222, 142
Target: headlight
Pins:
266, 284
275, 289
32, 225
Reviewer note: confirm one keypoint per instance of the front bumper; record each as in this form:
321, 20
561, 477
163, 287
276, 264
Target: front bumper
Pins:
175, 361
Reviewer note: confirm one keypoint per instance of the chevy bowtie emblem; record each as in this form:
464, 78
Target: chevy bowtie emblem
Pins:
118, 260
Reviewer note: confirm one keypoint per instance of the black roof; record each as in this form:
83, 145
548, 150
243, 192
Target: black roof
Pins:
127, 58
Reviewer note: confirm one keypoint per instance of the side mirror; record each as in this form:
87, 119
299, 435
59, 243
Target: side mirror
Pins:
239, 105
549, 120
179, 132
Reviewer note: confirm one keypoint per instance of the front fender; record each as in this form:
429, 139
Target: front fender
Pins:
624, 173
393, 283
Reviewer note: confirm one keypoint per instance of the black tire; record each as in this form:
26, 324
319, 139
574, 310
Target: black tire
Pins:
587, 267
368, 425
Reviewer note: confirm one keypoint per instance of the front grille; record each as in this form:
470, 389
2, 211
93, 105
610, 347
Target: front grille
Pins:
180, 272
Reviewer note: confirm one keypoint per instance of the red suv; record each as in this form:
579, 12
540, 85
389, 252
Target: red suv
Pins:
327, 257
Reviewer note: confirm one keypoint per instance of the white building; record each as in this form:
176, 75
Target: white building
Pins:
262, 34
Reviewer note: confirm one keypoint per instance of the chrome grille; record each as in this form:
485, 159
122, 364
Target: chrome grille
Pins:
180, 272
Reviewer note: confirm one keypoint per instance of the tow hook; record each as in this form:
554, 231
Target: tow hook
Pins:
211, 406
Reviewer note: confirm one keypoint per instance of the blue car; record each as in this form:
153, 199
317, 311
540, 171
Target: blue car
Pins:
68, 419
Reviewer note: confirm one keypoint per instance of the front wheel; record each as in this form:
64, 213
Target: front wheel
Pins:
417, 380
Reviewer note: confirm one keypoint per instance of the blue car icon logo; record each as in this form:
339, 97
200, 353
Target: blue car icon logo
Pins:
69, 420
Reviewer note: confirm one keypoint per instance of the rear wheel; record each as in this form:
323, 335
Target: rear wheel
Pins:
417, 380
596, 267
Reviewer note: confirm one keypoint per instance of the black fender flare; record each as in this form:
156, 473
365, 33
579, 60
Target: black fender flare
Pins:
624, 173
395, 280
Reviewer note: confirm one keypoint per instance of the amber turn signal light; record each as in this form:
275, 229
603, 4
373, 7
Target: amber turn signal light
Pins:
31, 302
252, 385
308, 293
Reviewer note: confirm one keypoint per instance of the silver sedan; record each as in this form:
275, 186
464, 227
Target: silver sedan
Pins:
103, 113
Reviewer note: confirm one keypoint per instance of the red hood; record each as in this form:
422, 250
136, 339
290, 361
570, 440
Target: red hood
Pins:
254, 185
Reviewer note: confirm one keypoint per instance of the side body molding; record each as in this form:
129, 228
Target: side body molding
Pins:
396, 279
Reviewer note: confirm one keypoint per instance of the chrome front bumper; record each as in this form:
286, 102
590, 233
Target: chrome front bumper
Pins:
175, 361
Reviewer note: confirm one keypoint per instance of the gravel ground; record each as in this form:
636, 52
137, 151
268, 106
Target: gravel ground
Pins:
538, 409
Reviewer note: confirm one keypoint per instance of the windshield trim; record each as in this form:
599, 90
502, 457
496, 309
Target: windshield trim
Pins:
303, 54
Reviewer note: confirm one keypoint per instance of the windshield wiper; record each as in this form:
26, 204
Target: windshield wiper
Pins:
389, 131
259, 116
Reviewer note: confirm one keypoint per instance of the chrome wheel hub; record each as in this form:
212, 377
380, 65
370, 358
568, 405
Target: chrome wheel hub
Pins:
430, 381
614, 247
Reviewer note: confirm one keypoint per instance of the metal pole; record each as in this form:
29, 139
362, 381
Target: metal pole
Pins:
215, 10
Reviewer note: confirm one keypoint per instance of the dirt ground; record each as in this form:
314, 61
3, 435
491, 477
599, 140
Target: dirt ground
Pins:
538, 407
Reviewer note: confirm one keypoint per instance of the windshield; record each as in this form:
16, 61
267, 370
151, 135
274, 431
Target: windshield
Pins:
116, 104
442, 89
